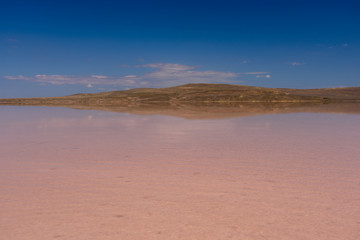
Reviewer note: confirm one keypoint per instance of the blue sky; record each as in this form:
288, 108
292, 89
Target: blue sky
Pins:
52, 48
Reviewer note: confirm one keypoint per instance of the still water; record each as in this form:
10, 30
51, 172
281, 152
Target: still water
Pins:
84, 174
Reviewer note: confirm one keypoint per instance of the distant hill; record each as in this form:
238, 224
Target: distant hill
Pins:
196, 94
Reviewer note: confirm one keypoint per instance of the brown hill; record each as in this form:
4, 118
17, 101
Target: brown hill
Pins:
196, 94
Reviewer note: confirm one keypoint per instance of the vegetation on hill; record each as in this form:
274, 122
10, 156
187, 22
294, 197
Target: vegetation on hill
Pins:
195, 94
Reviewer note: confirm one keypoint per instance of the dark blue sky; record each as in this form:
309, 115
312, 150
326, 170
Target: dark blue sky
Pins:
50, 48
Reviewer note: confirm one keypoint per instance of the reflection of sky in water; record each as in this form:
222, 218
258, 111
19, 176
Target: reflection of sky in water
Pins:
303, 167
320, 137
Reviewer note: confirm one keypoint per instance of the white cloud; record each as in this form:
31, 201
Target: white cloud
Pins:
99, 76
297, 63
263, 76
163, 75
168, 66
254, 73
169, 74
70, 79
19, 77
12, 40
333, 46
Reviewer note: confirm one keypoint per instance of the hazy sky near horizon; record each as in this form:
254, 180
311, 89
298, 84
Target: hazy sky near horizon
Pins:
51, 48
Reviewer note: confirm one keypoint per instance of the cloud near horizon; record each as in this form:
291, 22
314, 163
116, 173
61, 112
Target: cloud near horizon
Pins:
165, 75
297, 63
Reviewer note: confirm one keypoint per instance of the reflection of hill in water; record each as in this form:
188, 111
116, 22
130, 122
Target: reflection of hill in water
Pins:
214, 111
197, 101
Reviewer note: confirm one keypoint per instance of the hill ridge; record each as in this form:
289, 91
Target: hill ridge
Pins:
196, 93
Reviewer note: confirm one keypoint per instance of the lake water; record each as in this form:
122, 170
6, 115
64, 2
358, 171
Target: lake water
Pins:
85, 174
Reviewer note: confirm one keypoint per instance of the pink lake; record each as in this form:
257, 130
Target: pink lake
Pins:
84, 175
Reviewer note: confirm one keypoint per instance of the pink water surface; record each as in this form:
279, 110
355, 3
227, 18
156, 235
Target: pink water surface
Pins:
70, 174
